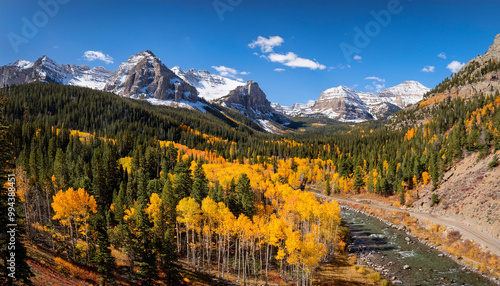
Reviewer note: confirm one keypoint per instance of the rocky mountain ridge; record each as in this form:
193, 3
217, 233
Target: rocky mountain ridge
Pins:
46, 70
144, 76
251, 101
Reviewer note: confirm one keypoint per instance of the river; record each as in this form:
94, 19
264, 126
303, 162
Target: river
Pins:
392, 249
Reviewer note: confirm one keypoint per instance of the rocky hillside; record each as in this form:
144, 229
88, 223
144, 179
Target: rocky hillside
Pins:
470, 192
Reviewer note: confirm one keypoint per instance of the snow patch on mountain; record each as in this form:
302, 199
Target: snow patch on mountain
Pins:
183, 104
46, 70
22, 64
210, 86
404, 94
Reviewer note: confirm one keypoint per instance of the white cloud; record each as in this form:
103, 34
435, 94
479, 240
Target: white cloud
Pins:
357, 57
267, 45
377, 84
428, 69
255, 53
96, 55
455, 66
379, 87
442, 55
289, 59
342, 66
229, 72
376, 78
279, 69
292, 60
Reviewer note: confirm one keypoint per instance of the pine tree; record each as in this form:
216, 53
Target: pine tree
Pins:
102, 258
328, 188
60, 169
435, 169
119, 203
216, 193
183, 182
144, 248
169, 202
169, 257
358, 179
99, 188
245, 196
200, 184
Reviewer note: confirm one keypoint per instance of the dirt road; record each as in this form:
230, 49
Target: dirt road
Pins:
468, 232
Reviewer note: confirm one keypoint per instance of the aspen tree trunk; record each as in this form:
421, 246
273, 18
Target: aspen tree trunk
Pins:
297, 275
187, 246
223, 246
245, 263
267, 260
72, 240
193, 251
253, 256
334, 238
178, 237
227, 261
218, 255
260, 254
237, 255
209, 252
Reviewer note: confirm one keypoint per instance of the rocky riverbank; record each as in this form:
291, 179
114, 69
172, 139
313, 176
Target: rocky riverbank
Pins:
398, 272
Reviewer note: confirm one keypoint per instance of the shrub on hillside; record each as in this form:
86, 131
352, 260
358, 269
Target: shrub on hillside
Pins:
435, 200
494, 163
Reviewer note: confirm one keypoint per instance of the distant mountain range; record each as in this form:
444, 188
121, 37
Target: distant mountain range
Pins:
346, 105
144, 76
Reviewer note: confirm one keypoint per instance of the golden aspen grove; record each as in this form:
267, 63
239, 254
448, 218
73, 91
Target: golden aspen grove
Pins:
119, 191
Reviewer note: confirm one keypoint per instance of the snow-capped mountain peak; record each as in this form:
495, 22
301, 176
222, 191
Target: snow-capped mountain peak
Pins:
404, 94
22, 64
345, 104
210, 86
47, 70
340, 91
144, 75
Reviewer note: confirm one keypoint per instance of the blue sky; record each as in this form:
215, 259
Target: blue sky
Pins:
300, 52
